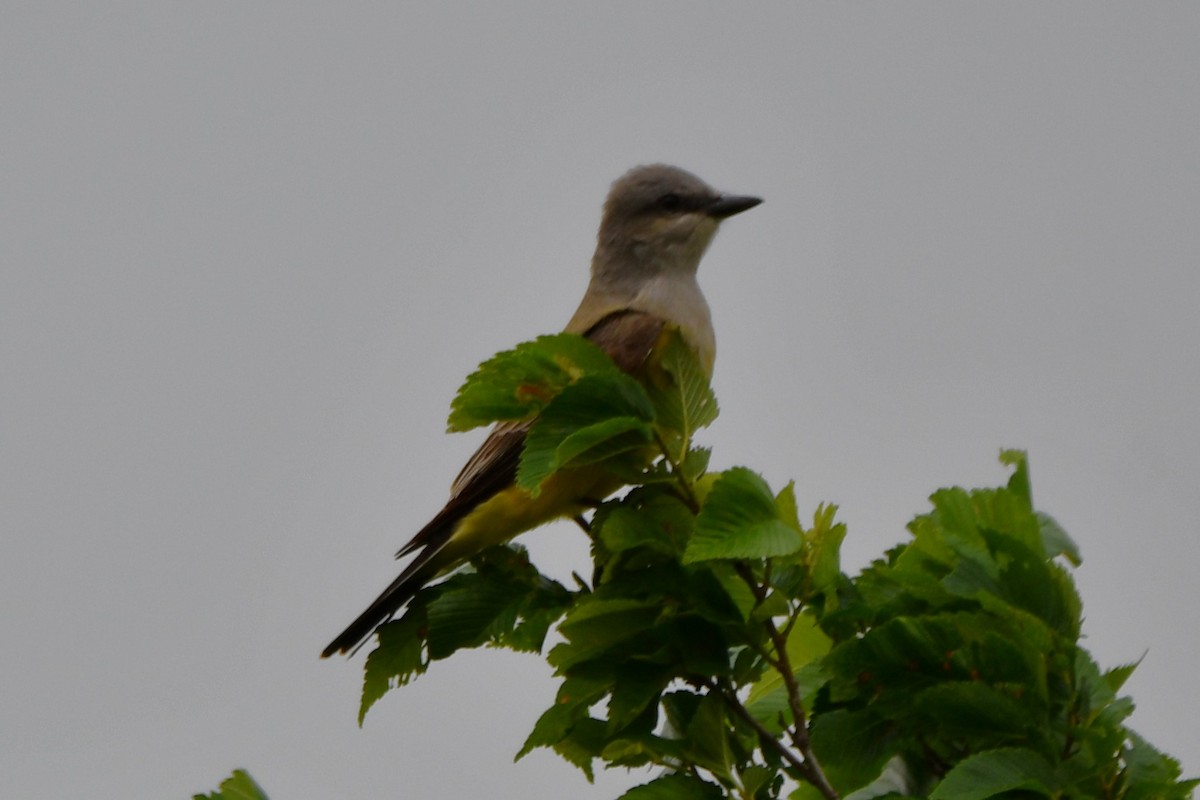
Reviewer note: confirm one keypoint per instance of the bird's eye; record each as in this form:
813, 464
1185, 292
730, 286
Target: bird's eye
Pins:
671, 202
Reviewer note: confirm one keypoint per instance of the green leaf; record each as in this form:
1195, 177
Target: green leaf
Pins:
624, 528
740, 519
695, 644
768, 701
695, 463
739, 592
675, 787
891, 662
529, 634
951, 531
962, 709
1018, 483
785, 506
596, 625
1037, 585
468, 612
637, 687
1056, 542
707, 737
685, 404
397, 659
583, 745
238, 786
822, 549
595, 418
646, 526
1151, 775
632, 749
518, 383
1004, 511
1115, 678
757, 777
852, 747
601, 440
895, 780
575, 696
992, 772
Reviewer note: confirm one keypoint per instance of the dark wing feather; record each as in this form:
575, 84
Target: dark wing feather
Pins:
628, 337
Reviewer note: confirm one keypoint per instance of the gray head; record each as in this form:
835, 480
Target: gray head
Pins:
660, 217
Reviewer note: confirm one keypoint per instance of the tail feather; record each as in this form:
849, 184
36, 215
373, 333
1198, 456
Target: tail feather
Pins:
420, 572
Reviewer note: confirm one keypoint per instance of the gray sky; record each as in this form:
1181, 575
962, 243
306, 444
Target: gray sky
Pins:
247, 254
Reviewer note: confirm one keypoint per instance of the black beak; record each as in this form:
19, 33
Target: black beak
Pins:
729, 204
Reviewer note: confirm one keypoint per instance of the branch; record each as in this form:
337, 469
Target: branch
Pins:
735, 705
798, 731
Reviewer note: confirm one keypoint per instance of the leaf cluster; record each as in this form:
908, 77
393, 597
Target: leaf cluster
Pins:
718, 639
238, 786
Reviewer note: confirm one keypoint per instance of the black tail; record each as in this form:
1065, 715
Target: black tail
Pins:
490, 470
401, 590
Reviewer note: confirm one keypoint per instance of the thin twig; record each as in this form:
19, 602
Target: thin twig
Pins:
798, 731
741, 711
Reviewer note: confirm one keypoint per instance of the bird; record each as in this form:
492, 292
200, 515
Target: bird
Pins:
657, 222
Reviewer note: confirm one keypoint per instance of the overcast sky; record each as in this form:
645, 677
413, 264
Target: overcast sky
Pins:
248, 253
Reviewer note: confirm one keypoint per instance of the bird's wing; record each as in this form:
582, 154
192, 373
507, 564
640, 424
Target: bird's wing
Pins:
628, 337
491, 468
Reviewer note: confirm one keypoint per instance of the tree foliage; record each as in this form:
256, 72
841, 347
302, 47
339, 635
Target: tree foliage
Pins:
719, 640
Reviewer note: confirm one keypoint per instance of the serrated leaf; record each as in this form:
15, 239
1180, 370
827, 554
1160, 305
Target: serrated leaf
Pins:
583, 745
238, 786
756, 777
1056, 541
636, 687
543, 606
626, 528
1151, 773
686, 403
952, 529
852, 747
822, 549
1018, 482
1115, 678
785, 506
629, 752
992, 772
574, 697
675, 787
739, 592
895, 780
396, 661
594, 418
695, 463
740, 520
806, 791
464, 614
601, 440
1035, 584
596, 625
707, 737
961, 709
518, 383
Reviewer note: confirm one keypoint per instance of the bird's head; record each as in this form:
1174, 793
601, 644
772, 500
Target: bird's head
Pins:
660, 218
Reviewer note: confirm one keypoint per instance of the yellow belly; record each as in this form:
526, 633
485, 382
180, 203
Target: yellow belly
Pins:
513, 511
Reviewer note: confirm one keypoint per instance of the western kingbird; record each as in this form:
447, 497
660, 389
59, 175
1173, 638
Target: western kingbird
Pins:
658, 220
